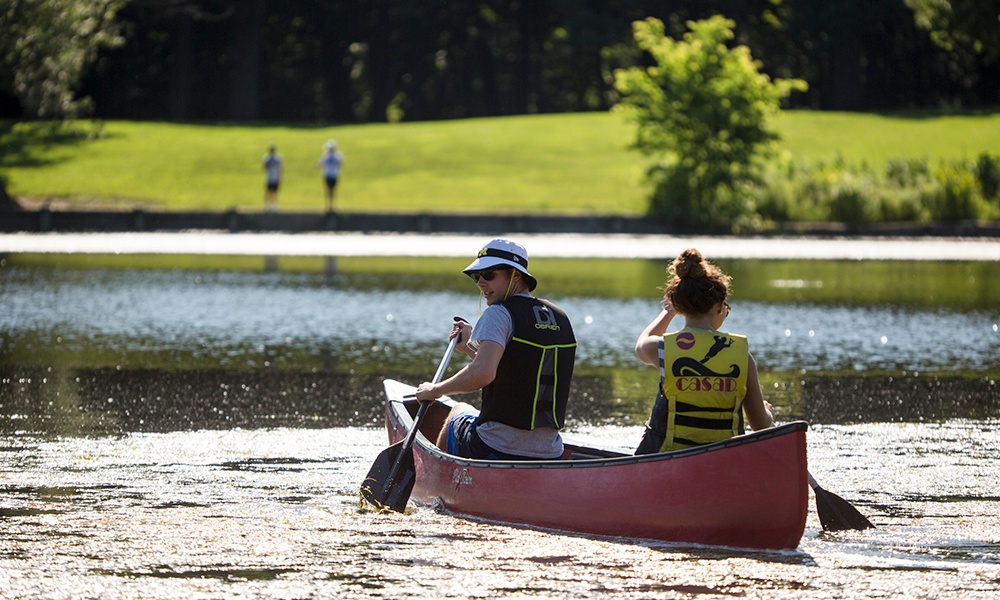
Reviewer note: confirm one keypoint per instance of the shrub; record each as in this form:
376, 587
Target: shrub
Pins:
776, 197
987, 170
907, 172
901, 204
851, 198
905, 190
956, 198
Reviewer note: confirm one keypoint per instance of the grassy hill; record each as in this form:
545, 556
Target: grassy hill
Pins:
566, 164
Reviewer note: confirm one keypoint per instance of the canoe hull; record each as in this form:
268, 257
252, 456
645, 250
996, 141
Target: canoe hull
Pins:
750, 492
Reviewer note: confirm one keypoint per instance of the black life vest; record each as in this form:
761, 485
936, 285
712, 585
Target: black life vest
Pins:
531, 386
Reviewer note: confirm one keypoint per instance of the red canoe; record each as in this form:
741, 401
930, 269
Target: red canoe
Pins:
750, 491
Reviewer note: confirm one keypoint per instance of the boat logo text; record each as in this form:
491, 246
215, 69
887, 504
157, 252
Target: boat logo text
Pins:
461, 477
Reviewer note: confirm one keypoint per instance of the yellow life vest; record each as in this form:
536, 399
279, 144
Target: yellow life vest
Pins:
703, 380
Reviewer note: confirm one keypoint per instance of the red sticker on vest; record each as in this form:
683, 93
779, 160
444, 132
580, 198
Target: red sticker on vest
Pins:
685, 340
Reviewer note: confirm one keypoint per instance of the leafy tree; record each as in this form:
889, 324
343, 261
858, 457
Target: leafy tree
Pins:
46, 48
703, 108
972, 22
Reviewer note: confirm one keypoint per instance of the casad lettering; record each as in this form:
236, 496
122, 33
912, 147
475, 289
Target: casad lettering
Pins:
706, 384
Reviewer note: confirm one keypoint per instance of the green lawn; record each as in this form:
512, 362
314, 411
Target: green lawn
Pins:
571, 163
877, 138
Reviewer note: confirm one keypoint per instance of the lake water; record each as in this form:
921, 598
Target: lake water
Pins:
202, 433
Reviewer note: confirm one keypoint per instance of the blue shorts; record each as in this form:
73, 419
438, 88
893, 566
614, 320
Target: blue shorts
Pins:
464, 440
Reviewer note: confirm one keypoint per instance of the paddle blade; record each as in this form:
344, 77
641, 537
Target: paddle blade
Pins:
837, 514
383, 489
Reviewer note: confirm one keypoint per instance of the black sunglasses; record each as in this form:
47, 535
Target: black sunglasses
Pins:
487, 274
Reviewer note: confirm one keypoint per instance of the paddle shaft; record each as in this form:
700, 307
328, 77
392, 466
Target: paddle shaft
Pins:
408, 442
835, 513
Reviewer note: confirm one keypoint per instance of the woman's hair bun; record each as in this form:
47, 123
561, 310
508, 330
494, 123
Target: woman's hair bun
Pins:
695, 285
689, 264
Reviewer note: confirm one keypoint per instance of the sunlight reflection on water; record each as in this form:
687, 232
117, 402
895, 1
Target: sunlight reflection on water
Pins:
163, 310
274, 513
189, 511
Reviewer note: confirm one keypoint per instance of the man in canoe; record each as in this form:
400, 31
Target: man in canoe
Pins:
522, 350
708, 378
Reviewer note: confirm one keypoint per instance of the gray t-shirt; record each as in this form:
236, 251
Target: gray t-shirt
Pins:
497, 325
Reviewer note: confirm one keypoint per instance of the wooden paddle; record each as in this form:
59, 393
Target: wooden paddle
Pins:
835, 513
391, 478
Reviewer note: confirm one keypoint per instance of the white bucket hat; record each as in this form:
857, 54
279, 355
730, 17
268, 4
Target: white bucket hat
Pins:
503, 252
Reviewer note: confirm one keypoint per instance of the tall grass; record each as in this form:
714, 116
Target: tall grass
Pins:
565, 164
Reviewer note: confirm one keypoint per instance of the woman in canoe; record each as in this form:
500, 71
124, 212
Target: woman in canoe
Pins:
522, 350
708, 378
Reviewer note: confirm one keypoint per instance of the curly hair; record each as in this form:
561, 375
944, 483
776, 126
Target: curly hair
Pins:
695, 285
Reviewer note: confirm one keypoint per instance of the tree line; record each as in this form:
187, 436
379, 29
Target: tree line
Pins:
390, 60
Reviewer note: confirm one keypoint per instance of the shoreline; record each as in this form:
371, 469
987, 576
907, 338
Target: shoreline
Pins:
549, 245
47, 219
107, 231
